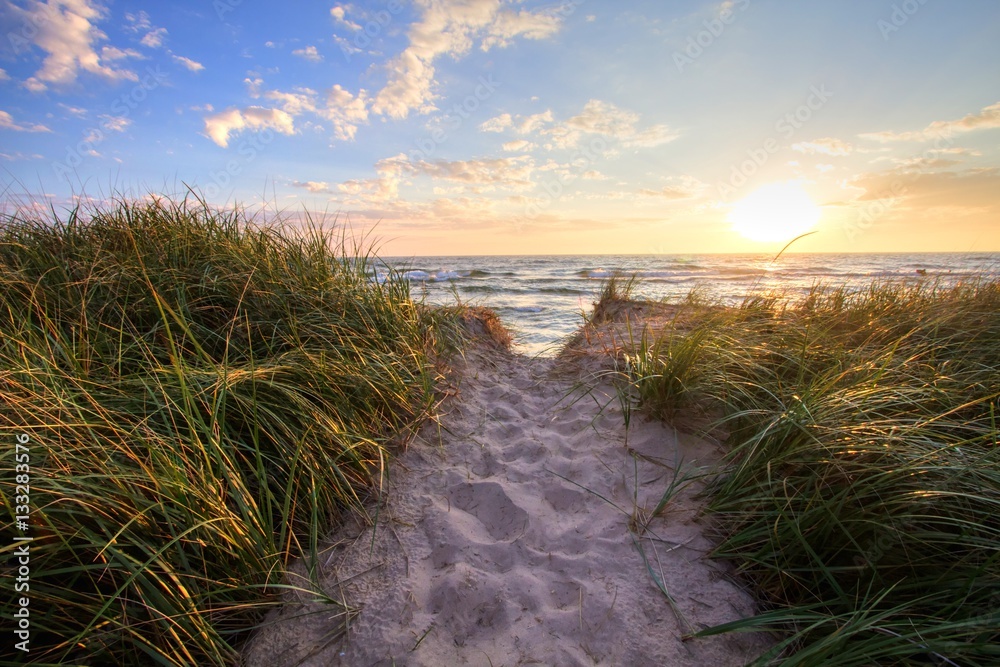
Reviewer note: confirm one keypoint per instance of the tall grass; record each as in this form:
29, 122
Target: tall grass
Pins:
204, 396
861, 494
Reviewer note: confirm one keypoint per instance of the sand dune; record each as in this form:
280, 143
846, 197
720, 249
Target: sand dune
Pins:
506, 540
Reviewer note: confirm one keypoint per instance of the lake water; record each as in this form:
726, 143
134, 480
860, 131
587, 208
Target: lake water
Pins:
543, 297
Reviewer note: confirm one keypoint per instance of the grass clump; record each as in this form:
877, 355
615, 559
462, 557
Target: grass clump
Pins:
861, 495
204, 396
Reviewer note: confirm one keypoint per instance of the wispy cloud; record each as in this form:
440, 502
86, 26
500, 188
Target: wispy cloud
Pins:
597, 118
987, 118
192, 65
825, 146
309, 53
7, 122
313, 186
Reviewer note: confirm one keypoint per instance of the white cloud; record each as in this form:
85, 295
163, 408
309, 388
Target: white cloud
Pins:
519, 145
115, 123
533, 122
192, 65
220, 126
346, 111
154, 38
684, 187
309, 53
826, 146
497, 124
385, 187
449, 27
294, 104
7, 122
598, 118
509, 24
312, 186
594, 175
650, 137
339, 14
79, 112
137, 22
253, 84
987, 118
509, 173
66, 31
3, 75
112, 53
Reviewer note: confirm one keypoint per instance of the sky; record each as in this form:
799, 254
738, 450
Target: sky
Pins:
472, 127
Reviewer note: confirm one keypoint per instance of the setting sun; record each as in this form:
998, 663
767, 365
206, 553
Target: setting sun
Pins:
775, 212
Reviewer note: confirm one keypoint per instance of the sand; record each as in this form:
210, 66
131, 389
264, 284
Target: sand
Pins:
511, 535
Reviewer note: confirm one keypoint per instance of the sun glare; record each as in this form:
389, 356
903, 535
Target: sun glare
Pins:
775, 212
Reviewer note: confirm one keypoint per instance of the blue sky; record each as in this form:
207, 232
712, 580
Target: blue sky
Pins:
481, 126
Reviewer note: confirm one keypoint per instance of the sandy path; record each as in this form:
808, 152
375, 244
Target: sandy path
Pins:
486, 555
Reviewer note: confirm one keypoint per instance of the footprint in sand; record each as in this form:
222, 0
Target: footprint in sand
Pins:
488, 502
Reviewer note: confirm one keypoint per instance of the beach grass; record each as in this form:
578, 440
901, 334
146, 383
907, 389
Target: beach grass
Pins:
202, 396
860, 497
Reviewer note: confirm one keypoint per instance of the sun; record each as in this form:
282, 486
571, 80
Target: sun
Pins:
775, 212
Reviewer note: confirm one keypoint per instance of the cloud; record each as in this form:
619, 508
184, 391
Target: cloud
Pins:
114, 53
309, 53
533, 122
3, 75
219, 126
79, 112
509, 173
7, 122
598, 118
449, 27
66, 31
687, 188
971, 188
518, 146
345, 111
192, 65
138, 22
987, 118
313, 186
384, 187
497, 124
594, 175
826, 146
154, 38
339, 14
341, 108
296, 103
115, 123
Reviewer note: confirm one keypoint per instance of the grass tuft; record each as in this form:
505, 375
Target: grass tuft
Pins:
861, 494
204, 397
